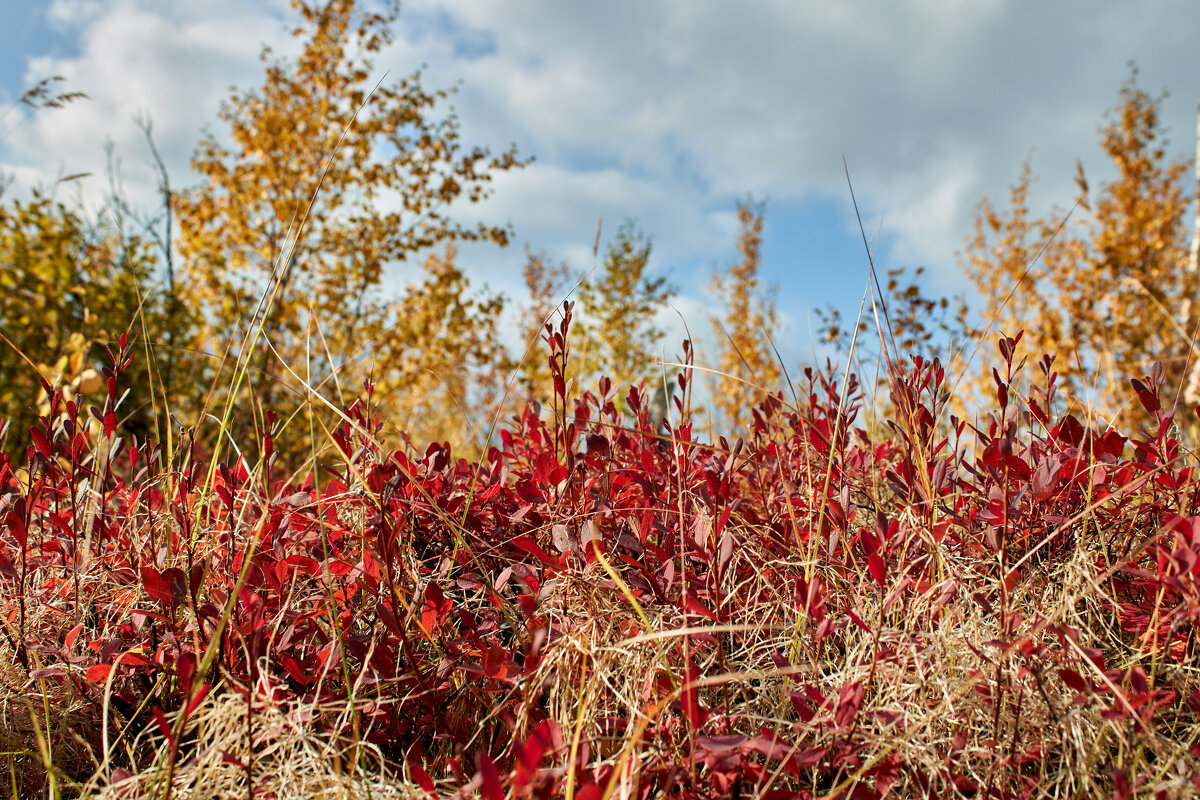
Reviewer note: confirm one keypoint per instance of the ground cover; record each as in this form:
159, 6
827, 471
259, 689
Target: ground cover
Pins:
607, 606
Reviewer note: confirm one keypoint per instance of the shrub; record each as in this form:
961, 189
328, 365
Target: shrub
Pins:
1001, 610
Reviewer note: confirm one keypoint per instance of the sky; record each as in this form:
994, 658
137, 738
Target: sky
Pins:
666, 112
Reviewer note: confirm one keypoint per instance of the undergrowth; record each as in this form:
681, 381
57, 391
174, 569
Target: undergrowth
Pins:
604, 606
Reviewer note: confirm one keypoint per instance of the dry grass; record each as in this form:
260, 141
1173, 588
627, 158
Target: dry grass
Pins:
787, 615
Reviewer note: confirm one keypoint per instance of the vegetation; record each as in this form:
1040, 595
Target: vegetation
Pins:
69, 286
331, 180
1103, 283
298, 595
621, 298
748, 364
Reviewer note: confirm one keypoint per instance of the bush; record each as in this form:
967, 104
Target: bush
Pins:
1002, 610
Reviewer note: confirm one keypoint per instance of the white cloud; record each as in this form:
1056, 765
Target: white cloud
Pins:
931, 103
170, 63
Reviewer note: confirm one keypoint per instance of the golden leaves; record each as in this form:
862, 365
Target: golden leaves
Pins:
329, 180
1111, 287
616, 332
747, 362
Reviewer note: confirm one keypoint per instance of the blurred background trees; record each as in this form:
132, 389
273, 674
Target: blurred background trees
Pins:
617, 334
746, 360
329, 182
1111, 291
68, 287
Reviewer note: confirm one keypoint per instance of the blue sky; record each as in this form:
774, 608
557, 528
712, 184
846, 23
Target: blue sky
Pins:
665, 111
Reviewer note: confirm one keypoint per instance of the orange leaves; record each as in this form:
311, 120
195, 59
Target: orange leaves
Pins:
98, 673
748, 365
1104, 288
328, 181
435, 607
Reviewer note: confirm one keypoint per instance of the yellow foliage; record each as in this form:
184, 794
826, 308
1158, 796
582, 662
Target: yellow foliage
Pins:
67, 285
1108, 290
746, 360
615, 333
328, 181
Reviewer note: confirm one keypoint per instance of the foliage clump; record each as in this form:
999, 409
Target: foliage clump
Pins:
596, 606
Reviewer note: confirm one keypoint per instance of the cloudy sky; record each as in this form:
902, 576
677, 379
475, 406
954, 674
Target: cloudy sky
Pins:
667, 112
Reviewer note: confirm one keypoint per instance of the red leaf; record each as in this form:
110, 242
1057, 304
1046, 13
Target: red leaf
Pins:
293, 669
695, 713
801, 706
435, 608
848, 704
491, 788
530, 546
1075, 681
809, 757
725, 552
529, 755
185, 667
168, 586
14, 520
495, 663
40, 442
163, 725
1147, 398
72, 635
770, 746
887, 773
1011, 580
857, 620
877, 569
1121, 787
98, 673
131, 659
720, 744
693, 604
422, 778
155, 585
811, 596
197, 698
388, 619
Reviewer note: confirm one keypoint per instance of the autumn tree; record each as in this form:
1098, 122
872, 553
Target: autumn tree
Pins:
68, 286
746, 360
1106, 291
452, 368
326, 181
616, 335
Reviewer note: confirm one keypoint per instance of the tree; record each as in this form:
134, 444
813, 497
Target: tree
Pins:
453, 366
1105, 293
328, 180
747, 363
617, 336
68, 286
